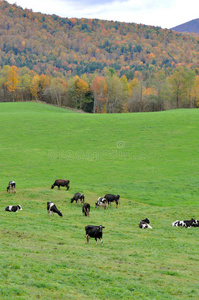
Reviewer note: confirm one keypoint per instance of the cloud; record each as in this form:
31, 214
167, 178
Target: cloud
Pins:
91, 2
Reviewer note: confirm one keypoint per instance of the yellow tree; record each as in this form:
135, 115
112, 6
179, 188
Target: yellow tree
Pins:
34, 89
82, 88
12, 82
58, 87
44, 82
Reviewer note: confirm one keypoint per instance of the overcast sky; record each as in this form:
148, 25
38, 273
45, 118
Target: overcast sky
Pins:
163, 13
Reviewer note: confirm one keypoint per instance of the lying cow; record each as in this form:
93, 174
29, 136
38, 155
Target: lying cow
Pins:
101, 202
196, 224
185, 223
86, 209
13, 208
52, 208
110, 198
11, 186
93, 232
61, 182
78, 197
145, 224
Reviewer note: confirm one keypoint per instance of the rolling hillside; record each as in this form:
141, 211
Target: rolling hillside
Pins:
150, 159
52, 45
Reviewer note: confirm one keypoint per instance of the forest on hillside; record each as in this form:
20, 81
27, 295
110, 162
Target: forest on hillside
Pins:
95, 65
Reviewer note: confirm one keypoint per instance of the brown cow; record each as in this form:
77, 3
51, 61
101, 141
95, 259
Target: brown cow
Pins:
61, 182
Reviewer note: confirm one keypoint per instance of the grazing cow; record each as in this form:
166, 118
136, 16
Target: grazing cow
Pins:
110, 198
13, 208
93, 232
101, 202
77, 197
52, 208
11, 186
145, 224
86, 209
61, 182
185, 223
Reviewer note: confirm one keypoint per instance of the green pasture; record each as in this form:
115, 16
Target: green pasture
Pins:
150, 159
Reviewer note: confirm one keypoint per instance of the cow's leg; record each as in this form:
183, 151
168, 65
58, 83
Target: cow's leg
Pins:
96, 240
58, 187
87, 239
101, 241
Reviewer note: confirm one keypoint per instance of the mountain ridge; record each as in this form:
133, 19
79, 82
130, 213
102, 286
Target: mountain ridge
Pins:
189, 27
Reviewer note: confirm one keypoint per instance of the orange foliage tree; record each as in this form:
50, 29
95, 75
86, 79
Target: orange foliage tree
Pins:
12, 81
99, 89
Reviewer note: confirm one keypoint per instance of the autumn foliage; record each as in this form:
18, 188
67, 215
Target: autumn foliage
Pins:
94, 65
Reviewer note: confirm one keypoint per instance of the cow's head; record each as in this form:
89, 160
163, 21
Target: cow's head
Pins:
19, 207
100, 228
193, 222
146, 221
52, 186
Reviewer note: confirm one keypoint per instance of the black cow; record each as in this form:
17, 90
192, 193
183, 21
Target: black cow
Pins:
185, 223
145, 224
52, 208
61, 182
13, 208
101, 202
110, 198
77, 197
11, 186
86, 209
93, 232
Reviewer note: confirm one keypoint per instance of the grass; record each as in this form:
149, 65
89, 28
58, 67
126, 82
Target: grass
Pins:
150, 159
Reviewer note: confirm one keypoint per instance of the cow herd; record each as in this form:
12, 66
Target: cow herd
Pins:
91, 230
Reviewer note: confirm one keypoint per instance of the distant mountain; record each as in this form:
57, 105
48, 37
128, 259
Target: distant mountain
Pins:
190, 27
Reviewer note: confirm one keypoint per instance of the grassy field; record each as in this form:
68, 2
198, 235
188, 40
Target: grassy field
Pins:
150, 159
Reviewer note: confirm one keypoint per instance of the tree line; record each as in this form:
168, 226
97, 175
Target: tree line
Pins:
104, 92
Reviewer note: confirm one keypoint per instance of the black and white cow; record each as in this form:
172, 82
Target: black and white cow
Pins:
52, 208
110, 198
86, 209
93, 232
144, 224
61, 182
185, 223
11, 186
78, 197
101, 202
13, 208
196, 224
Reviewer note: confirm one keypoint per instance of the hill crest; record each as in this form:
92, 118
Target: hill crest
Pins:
190, 27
